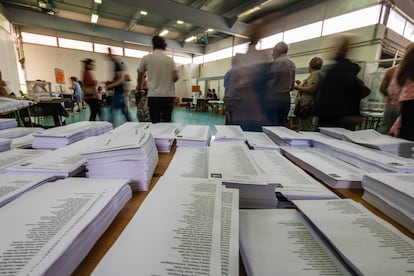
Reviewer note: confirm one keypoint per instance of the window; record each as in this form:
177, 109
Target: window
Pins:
225, 53
75, 44
352, 20
210, 57
182, 60
39, 39
241, 49
409, 31
133, 53
102, 48
303, 33
270, 41
198, 60
396, 22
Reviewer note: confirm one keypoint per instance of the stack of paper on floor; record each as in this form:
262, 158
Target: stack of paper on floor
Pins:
328, 169
194, 136
393, 194
14, 185
280, 242
127, 152
233, 165
284, 136
291, 181
368, 159
368, 244
229, 133
7, 123
63, 162
57, 137
55, 225
189, 162
260, 141
5, 144
17, 156
185, 226
164, 135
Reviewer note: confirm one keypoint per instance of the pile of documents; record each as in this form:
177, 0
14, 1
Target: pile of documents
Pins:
18, 156
373, 139
281, 242
260, 141
328, 169
14, 185
10, 104
185, 226
194, 136
63, 162
229, 133
284, 136
233, 165
393, 194
16, 132
189, 162
164, 135
5, 144
7, 123
57, 137
366, 243
55, 225
127, 152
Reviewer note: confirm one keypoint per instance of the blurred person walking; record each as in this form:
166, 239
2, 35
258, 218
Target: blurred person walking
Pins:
91, 95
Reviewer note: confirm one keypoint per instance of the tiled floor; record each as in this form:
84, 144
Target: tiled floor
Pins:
180, 115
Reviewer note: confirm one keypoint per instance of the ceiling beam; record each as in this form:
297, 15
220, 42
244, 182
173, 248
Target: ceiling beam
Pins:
35, 19
189, 14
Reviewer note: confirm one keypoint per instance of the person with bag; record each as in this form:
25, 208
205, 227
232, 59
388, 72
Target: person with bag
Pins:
306, 95
90, 93
77, 93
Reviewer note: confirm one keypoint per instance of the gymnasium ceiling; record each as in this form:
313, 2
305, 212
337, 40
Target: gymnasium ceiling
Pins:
121, 20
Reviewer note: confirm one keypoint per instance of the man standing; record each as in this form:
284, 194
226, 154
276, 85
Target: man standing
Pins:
161, 76
282, 81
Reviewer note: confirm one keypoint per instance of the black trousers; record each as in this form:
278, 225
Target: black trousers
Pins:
95, 109
407, 120
160, 108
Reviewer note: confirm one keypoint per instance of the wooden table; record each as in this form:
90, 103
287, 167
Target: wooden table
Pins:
129, 210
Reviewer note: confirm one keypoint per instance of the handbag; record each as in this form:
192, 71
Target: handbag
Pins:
143, 114
89, 91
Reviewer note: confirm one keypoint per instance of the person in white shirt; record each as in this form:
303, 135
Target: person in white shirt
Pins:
161, 75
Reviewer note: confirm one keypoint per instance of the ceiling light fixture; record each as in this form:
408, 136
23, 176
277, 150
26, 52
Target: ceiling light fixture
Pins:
191, 38
143, 12
180, 22
94, 18
98, 1
249, 11
164, 32
210, 30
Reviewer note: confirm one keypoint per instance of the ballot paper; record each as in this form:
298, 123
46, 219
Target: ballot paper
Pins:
229, 133
284, 136
128, 152
5, 144
10, 104
331, 171
280, 242
393, 194
368, 244
6, 122
16, 132
260, 141
14, 185
58, 137
65, 161
194, 136
55, 225
178, 230
189, 162
16, 156
164, 135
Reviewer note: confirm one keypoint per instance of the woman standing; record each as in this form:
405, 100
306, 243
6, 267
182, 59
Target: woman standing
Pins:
77, 93
91, 95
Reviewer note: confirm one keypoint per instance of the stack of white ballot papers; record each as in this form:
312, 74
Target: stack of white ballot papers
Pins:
51, 229
373, 139
189, 162
284, 136
58, 137
11, 104
10, 133
260, 141
63, 162
233, 165
128, 152
368, 244
229, 133
393, 194
5, 144
164, 135
7, 123
185, 226
194, 136
17, 156
331, 171
14, 185
281, 242
368, 159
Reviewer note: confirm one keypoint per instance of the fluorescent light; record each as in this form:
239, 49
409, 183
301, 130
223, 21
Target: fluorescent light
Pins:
180, 22
210, 30
249, 11
191, 38
164, 32
98, 1
94, 18
143, 12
